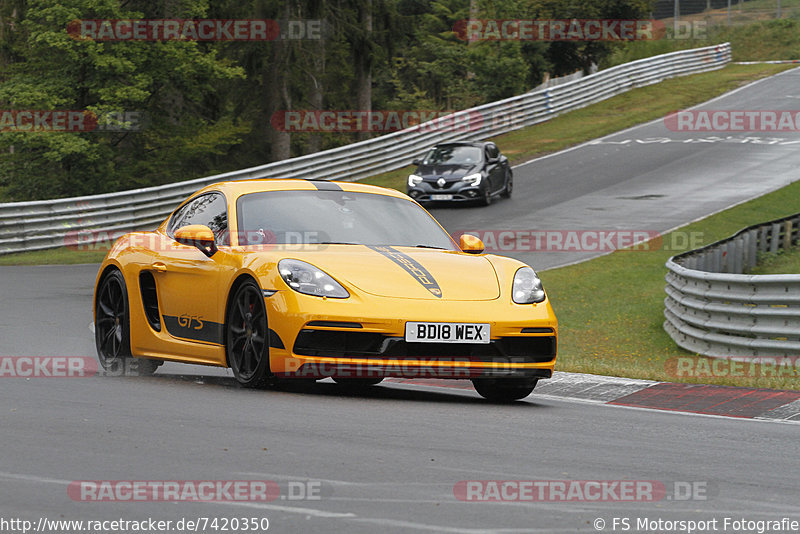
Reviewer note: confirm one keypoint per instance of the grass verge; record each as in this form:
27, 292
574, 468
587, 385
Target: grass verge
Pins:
782, 262
751, 39
610, 309
60, 256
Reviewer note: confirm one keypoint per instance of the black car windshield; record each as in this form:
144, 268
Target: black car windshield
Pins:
453, 155
336, 217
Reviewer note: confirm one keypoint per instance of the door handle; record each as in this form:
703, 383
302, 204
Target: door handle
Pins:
159, 267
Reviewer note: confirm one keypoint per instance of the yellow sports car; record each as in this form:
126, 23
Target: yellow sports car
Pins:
313, 279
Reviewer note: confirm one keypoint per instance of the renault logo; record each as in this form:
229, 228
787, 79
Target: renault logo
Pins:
441, 182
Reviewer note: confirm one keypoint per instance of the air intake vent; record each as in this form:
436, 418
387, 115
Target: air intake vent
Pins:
150, 299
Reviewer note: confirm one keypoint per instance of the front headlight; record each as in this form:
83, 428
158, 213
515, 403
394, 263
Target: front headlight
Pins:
527, 287
305, 278
474, 179
413, 180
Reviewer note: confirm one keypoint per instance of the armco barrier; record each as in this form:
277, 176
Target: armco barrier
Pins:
713, 309
47, 224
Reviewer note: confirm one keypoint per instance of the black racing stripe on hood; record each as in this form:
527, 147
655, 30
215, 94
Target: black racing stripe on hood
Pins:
326, 186
411, 266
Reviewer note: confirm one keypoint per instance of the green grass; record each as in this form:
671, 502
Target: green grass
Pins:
783, 262
617, 113
57, 256
610, 309
755, 41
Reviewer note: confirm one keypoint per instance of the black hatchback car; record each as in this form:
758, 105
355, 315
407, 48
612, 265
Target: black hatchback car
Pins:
461, 171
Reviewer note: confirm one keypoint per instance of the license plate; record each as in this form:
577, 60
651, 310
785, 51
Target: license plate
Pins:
441, 197
448, 332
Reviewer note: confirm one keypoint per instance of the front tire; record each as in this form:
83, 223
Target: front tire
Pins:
504, 389
246, 336
487, 197
509, 187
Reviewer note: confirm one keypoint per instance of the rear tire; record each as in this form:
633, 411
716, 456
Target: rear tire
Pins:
112, 324
246, 337
504, 389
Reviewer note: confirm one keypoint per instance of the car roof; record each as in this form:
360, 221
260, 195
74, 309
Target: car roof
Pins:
236, 188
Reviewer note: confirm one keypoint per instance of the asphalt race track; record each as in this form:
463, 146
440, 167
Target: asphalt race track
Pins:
388, 460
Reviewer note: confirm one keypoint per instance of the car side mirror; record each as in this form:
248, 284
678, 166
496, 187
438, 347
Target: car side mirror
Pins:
493, 160
197, 235
416, 162
471, 244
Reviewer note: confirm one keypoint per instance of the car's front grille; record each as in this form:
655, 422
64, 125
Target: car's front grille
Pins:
354, 344
337, 343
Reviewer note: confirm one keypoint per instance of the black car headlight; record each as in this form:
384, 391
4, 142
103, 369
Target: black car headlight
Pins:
413, 180
309, 280
473, 179
527, 287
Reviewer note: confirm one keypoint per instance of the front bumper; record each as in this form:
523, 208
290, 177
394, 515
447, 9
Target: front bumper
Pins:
348, 339
460, 191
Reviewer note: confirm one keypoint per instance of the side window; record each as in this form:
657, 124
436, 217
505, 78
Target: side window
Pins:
210, 210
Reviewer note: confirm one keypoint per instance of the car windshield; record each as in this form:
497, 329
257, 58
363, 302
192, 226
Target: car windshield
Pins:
336, 217
453, 155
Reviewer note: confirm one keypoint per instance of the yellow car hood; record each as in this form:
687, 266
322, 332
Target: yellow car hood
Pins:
407, 272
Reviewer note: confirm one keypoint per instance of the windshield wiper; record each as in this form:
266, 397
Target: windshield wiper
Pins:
429, 246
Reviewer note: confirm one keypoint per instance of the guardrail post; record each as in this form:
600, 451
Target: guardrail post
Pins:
775, 238
713, 309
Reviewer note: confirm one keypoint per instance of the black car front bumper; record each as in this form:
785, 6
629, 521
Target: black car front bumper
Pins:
425, 191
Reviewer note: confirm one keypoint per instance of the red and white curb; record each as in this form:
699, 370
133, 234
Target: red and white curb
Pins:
703, 399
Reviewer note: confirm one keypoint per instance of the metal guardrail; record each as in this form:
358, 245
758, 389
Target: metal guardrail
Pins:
713, 309
53, 223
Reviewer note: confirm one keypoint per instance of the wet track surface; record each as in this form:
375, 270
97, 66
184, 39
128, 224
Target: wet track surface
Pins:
388, 459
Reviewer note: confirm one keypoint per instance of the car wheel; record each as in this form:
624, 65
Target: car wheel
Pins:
246, 336
509, 188
504, 389
112, 326
357, 383
487, 197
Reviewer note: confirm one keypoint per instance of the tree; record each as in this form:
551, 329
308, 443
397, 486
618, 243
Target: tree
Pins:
168, 83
